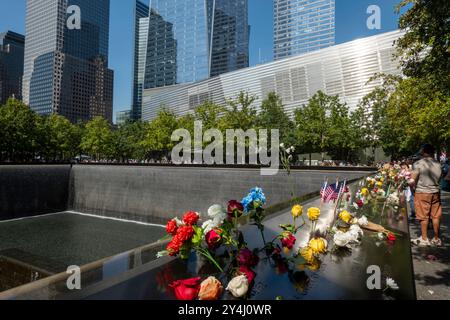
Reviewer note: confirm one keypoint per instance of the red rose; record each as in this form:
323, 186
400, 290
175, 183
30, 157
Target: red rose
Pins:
172, 227
186, 289
191, 218
288, 241
250, 275
185, 233
174, 246
375, 190
235, 209
213, 238
391, 237
360, 203
247, 258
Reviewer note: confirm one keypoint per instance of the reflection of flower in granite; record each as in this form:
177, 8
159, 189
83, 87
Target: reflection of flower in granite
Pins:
281, 266
164, 278
300, 280
391, 286
314, 265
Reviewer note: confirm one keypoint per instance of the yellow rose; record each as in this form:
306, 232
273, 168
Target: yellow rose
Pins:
345, 216
318, 245
365, 192
297, 211
382, 180
379, 184
307, 253
313, 214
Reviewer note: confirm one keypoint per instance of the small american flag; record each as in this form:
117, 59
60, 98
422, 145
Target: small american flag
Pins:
331, 192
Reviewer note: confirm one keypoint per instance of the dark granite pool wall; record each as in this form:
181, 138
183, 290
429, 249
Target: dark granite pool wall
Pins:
29, 190
157, 193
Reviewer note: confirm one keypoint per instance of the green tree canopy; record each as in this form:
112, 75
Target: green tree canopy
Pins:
97, 137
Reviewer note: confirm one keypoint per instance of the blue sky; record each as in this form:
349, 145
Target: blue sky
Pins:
351, 20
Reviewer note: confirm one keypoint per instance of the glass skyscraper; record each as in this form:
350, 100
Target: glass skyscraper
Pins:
302, 26
11, 65
183, 41
141, 16
66, 70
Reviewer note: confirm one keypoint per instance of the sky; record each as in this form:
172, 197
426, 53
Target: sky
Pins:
351, 17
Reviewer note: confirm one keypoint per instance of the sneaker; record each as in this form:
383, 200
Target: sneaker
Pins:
436, 242
420, 242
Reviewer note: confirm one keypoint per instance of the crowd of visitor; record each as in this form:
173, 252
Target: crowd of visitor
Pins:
426, 177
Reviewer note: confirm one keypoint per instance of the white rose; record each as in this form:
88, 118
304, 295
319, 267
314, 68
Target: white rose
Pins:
238, 286
341, 239
216, 210
363, 221
209, 225
381, 193
381, 236
356, 232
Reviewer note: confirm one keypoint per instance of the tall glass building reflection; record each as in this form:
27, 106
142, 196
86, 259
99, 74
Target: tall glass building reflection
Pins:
66, 70
302, 26
188, 41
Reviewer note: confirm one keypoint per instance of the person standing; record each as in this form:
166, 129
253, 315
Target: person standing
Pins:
427, 199
409, 191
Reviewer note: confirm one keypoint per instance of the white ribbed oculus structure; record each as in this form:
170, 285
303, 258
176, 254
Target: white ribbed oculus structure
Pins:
342, 70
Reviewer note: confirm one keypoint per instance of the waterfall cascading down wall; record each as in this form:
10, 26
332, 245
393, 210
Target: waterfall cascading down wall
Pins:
143, 193
155, 194
30, 190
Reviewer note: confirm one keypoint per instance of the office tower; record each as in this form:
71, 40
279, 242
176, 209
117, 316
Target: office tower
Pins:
141, 17
66, 70
188, 41
11, 65
122, 117
302, 26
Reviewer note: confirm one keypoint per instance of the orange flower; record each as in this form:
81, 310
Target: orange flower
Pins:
210, 289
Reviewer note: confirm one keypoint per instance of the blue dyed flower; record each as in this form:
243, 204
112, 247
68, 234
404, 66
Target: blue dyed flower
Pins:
254, 199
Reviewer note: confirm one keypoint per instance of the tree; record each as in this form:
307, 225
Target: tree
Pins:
424, 49
240, 114
311, 124
59, 138
209, 114
273, 116
97, 138
125, 142
18, 132
342, 139
157, 141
